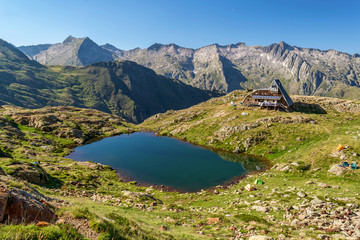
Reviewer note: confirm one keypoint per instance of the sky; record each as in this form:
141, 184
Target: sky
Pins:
127, 24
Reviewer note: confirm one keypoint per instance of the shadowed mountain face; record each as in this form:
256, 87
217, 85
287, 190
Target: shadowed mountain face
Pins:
123, 88
237, 66
226, 68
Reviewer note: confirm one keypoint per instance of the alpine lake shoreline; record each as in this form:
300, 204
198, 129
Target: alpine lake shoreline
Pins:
163, 187
300, 198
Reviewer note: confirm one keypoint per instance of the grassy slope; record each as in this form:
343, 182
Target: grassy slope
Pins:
123, 88
112, 89
290, 136
185, 214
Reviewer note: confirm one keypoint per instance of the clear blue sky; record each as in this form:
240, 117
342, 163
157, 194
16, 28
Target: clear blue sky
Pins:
323, 24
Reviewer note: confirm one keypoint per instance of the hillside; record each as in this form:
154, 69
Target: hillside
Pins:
123, 88
300, 196
313, 128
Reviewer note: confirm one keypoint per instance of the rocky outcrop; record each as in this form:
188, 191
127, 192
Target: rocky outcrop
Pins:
3, 204
32, 173
25, 205
65, 122
322, 104
18, 206
327, 216
337, 169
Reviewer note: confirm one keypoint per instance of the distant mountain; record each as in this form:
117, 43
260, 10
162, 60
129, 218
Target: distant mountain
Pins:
238, 66
33, 50
302, 71
72, 52
123, 88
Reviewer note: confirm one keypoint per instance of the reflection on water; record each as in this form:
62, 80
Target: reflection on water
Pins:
250, 163
147, 158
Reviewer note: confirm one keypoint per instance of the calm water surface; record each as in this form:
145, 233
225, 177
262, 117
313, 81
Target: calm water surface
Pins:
147, 158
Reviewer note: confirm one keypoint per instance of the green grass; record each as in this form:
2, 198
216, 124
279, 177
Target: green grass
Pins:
32, 232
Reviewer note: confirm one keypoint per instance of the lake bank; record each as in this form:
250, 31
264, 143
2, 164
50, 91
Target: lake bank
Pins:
168, 163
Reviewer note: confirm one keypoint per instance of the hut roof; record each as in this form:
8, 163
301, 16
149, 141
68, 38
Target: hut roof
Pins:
283, 92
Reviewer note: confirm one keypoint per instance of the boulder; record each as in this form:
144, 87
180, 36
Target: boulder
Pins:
23, 207
260, 208
3, 204
324, 185
337, 169
301, 194
316, 200
31, 173
213, 220
238, 150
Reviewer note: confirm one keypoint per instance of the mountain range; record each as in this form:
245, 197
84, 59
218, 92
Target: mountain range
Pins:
123, 88
303, 71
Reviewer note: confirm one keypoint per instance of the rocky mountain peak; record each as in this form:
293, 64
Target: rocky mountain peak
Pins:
69, 39
237, 44
158, 46
284, 45
72, 51
280, 48
110, 47
88, 40
155, 47
173, 45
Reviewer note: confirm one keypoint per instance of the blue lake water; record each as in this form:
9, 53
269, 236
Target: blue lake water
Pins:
147, 158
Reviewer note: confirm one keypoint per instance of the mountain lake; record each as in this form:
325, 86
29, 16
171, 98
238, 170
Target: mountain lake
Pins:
158, 160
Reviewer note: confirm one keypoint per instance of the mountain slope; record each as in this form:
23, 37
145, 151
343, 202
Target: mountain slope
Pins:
72, 51
33, 50
303, 71
226, 68
10, 56
123, 88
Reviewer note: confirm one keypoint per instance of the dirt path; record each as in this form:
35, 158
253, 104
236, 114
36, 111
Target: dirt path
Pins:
82, 225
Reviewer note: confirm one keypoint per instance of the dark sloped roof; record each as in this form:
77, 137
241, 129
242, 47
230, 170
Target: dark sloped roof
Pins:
283, 92
266, 97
